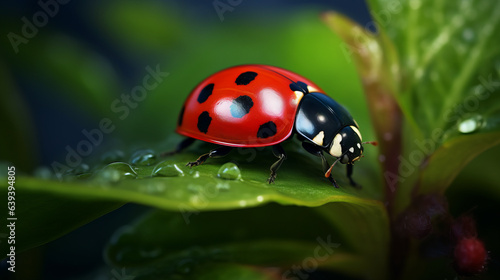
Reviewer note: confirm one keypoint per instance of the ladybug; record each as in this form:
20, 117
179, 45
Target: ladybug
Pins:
259, 105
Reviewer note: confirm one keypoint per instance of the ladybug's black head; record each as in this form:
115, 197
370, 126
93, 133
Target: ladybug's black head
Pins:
347, 145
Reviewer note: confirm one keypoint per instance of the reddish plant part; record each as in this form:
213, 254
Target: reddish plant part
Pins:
470, 256
463, 227
433, 205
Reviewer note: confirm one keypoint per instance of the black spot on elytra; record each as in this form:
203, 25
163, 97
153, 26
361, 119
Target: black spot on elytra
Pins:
266, 130
245, 78
241, 106
204, 121
299, 86
205, 93
181, 116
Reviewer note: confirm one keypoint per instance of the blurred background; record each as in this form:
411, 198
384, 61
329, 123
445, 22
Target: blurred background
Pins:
67, 65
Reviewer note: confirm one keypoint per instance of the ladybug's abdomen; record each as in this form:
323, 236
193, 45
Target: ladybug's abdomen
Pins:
243, 106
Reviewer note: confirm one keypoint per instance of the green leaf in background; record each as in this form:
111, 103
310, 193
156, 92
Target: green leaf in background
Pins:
445, 80
270, 236
44, 216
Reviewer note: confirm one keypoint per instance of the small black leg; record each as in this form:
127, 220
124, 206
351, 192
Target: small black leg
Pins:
184, 144
350, 168
279, 153
319, 153
215, 153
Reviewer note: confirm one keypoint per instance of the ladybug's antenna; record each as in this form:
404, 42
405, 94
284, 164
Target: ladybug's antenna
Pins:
329, 171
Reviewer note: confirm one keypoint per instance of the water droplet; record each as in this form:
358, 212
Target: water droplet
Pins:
43, 172
196, 174
468, 35
229, 171
143, 157
470, 124
243, 203
167, 168
260, 198
113, 156
116, 171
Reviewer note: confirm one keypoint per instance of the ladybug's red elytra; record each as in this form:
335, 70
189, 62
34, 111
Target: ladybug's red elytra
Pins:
260, 105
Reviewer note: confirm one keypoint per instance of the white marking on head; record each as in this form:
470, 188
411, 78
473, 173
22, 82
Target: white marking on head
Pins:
351, 149
336, 149
318, 139
359, 146
312, 89
357, 132
298, 96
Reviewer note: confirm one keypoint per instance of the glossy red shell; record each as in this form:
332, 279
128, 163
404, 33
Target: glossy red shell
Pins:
273, 101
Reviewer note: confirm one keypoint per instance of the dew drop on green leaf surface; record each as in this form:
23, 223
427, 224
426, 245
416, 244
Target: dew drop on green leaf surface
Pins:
116, 171
229, 171
470, 124
167, 168
143, 157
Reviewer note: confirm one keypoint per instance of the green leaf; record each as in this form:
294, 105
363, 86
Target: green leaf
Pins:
448, 82
177, 187
275, 236
446, 163
44, 216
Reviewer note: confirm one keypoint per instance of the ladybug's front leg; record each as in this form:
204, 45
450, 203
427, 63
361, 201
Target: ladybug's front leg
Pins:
350, 168
279, 153
215, 153
319, 153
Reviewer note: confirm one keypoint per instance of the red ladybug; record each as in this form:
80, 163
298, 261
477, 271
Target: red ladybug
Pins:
260, 105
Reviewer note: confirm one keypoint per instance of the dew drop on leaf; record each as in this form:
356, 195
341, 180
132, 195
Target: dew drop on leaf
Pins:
167, 169
229, 171
116, 171
143, 157
470, 124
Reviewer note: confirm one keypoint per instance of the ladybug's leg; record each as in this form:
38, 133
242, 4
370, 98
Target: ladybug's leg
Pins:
182, 145
349, 175
315, 150
279, 153
215, 153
